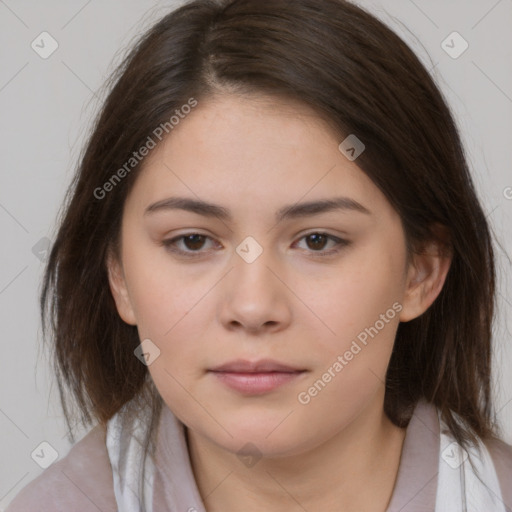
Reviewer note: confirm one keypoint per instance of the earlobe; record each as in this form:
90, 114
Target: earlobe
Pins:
119, 289
425, 279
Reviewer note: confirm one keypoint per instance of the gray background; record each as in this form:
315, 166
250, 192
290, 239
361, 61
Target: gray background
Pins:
47, 106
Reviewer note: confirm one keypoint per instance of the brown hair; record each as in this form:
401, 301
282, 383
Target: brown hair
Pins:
363, 79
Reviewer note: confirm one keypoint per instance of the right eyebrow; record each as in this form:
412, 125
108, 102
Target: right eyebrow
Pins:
287, 212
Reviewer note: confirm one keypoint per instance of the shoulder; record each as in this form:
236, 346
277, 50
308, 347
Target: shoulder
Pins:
82, 480
501, 454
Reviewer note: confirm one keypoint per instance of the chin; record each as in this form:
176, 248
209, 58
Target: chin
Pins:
269, 437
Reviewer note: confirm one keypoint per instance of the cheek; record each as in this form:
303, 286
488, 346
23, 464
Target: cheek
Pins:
364, 286
162, 293
362, 308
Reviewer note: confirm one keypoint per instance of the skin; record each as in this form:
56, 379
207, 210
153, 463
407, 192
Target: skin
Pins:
253, 155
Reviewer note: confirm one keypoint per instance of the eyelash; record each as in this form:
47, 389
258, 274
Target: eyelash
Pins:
340, 244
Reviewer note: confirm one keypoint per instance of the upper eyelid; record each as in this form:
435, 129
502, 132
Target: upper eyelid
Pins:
338, 239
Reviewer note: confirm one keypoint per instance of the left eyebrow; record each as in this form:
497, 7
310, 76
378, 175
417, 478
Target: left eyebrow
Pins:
287, 212
321, 206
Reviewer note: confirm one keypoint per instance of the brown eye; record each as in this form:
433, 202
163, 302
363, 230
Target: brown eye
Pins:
189, 245
194, 242
316, 241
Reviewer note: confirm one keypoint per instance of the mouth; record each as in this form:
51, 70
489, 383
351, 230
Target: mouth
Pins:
256, 378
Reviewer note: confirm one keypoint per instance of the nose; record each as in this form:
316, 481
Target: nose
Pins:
255, 297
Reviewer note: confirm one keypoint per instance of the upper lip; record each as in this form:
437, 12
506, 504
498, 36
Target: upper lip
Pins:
261, 366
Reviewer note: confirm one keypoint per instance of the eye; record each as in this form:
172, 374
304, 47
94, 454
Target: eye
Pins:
316, 242
192, 243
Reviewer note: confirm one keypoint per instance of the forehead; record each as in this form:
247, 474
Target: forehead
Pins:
257, 152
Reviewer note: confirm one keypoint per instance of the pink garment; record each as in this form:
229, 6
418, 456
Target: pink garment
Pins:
82, 480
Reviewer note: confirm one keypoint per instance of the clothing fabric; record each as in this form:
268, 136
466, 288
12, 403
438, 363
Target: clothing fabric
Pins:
125, 449
98, 473
461, 487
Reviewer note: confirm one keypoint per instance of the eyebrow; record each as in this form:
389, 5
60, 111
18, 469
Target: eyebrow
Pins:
287, 212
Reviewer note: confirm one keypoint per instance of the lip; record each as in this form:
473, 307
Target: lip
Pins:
256, 377
261, 366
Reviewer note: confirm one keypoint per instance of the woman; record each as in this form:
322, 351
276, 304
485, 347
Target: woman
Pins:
273, 282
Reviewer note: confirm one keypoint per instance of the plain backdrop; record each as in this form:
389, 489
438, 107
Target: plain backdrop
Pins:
46, 108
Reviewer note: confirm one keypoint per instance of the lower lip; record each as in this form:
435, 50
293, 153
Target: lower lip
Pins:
256, 383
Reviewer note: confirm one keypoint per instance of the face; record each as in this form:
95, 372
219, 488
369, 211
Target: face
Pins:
275, 322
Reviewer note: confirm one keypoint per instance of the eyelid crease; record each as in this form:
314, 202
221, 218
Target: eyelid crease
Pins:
340, 244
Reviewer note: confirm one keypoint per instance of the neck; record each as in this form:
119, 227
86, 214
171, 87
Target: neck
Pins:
332, 476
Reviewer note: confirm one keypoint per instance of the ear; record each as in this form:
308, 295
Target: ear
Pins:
119, 289
426, 275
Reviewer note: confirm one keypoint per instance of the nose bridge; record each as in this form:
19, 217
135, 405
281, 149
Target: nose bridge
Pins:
253, 295
252, 274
